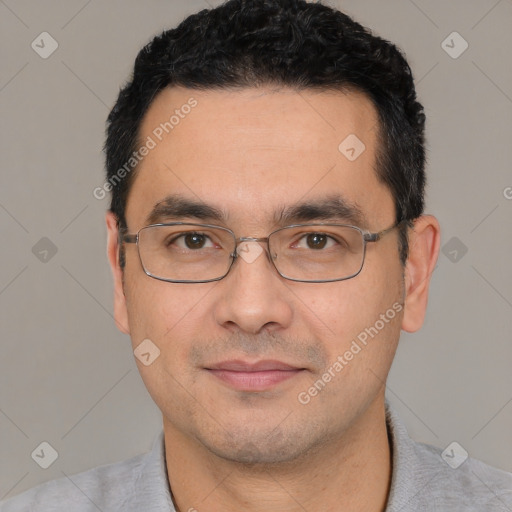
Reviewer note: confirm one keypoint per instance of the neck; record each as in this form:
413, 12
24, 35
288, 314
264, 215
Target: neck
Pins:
348, 474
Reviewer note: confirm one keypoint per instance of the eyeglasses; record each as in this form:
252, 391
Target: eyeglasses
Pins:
181, 252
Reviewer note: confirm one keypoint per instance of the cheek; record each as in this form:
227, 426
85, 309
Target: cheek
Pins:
171, 315
338, 307
352, 310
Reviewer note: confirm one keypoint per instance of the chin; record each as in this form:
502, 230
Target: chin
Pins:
264, 447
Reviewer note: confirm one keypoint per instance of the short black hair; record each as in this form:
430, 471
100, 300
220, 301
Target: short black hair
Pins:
290, 43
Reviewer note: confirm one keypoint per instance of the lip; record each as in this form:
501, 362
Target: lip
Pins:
257, 376
238, 365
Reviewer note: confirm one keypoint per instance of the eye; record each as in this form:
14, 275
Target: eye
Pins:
191, 241
315, 241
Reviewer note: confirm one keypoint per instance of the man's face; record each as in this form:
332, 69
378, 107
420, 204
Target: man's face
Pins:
250, 154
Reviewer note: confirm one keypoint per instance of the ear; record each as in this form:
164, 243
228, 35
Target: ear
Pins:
120, 310
424, 240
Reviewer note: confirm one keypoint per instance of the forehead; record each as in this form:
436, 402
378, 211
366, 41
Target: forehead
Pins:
251, 151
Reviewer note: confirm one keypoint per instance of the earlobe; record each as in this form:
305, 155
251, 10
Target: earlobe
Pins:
424, 240
120, 309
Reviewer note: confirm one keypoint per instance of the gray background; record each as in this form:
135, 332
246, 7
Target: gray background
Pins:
68, 376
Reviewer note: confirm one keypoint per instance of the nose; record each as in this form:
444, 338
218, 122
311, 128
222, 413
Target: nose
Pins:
253, 297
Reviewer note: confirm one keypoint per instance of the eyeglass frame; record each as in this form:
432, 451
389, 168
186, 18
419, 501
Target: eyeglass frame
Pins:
368, 237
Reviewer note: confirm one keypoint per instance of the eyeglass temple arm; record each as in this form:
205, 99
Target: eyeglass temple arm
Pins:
127, 238
374, 237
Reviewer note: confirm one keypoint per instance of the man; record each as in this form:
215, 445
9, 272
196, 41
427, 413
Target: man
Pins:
268, 244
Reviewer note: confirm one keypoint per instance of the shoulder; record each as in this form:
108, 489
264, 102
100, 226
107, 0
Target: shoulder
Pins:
138, 483
456, 481
99, 487
428, 478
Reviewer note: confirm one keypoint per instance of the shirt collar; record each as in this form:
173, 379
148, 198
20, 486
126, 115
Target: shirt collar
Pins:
151, 491
408, 470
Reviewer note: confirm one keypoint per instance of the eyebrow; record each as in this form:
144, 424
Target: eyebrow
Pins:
177, 207
335, 208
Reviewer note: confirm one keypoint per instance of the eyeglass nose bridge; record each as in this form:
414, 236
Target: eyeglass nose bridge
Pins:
251, 239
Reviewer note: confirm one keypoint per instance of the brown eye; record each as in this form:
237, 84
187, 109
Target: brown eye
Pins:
191, 241
316, 240
194, 240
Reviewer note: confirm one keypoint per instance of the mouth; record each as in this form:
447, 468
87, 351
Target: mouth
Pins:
259, 376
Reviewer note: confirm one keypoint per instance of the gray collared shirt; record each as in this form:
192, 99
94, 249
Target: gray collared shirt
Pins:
421, 482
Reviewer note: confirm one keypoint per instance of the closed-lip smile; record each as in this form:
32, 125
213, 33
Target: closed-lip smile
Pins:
253, 376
